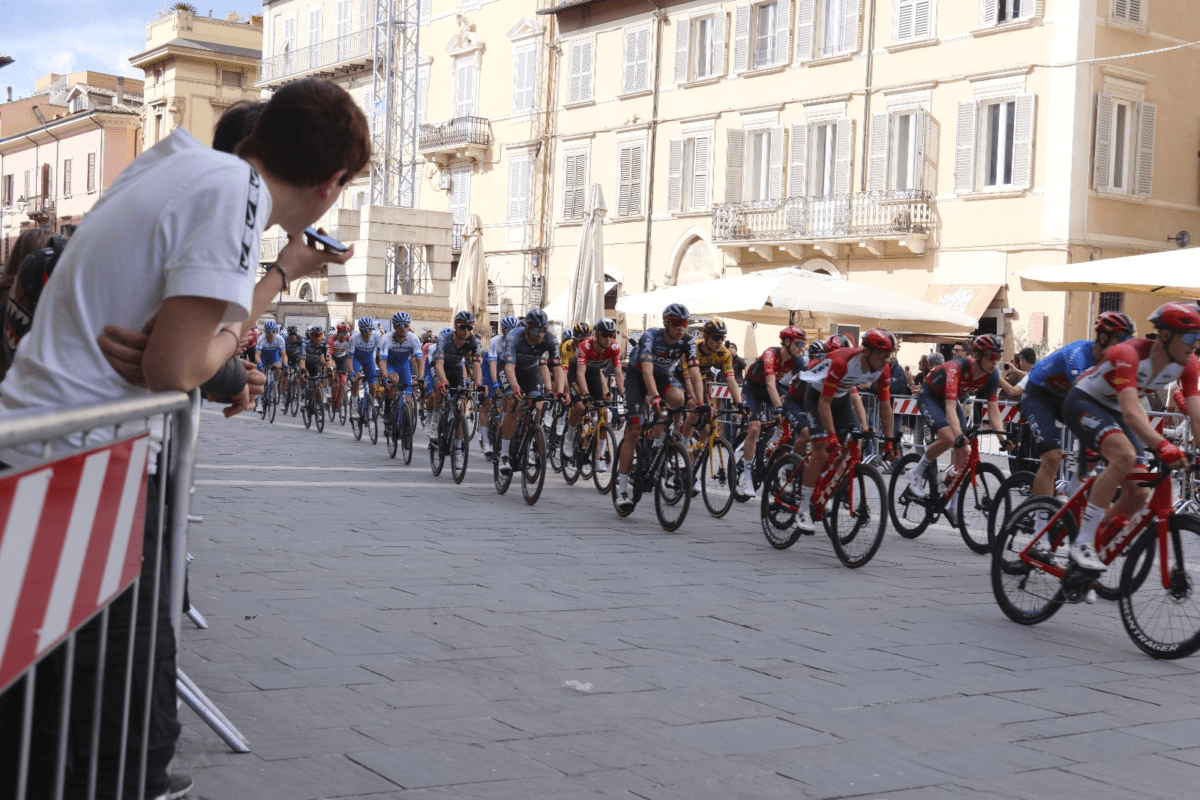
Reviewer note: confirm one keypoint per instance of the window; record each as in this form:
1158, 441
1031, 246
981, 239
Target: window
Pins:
637, 61
703, 63
66, 173
464, 86
821, 156
1124, 161
314, 38
460, 195
287, 44
689, 169
342, 31
629, 189
754, 165
580, 87
763, 22
575, 176
762, 35
758, 165
1000, 12
999, 122
831, 26
828, 28
824, 160
1111, 301
78, 103
913, 20
994, 147
519, 173
903, 151
91, 172
1127, 11
700, 47
524, 76
229, 78
28, 185
7, 197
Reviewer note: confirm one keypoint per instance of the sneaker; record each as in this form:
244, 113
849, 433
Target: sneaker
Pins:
1085, 556
602, 467
180, 787
746, 488
916, 486
624, 501
804, 523
505, 466
488, 452
1090, 597
569, 447
696, 488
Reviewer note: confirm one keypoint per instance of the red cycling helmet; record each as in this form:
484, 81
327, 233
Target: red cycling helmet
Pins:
836, 342
791, 332
879, 339
1176, 317
341, 328
1116, 322
986, 343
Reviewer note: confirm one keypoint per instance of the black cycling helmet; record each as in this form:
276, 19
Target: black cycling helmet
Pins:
816, 348
715, 327
464, 318
536, 320
292, 330
607, 327
675, 311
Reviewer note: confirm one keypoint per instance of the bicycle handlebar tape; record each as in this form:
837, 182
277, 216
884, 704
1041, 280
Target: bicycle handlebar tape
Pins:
228, 381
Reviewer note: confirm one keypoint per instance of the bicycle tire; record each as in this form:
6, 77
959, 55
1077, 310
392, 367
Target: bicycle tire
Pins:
391, 432
356, 421
973, 506
554, 443
779, 523
263, 401
406, 432
615, 484
1016, 489
343, 410
739, 444
571, 465
294, 399
533, 465
460, 445
472, 416
910, 515
306, 414
500, 480
604, 451
373, 420
673, 486
717, 478
1149, 611
437, 456
856, 539
319, 415
1012, 578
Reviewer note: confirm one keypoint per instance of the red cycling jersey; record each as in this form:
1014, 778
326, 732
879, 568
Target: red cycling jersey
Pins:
846, 368
955, 379
1127, 366
773, 361
588, 355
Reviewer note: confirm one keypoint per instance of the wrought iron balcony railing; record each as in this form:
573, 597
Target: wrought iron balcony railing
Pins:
39, 205
453, 134
862, 215
328, 55
456, 236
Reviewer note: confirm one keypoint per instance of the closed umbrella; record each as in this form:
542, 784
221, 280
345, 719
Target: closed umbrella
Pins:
470, 290
585, 290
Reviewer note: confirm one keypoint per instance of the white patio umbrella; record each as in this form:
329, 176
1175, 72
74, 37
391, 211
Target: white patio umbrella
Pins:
1173, 273
768, 296
585, 290
470, 288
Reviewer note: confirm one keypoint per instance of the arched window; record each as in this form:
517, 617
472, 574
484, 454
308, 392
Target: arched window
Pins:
306, 292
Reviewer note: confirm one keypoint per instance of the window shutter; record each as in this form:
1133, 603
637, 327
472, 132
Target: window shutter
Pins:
464, 88
799, 161
922, 19
700, 173
988, 11
1022, 170
581, 185
683, 32
629, 195
718, 43
674, 175
343, 18
775, 176
928, 142
804, 32
426, 11
1135, 11
1120, 9
569, 185
523, 77
844, 156
1103, 158
850, 31
741, 38
314, 26
515, 167
629, 84
735, 158
783, 32
1143, 181
460, 188
902, 21
964, 149
1033, 9
877, 173
585, 74
641, 69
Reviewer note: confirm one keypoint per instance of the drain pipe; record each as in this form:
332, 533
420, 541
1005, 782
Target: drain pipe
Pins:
867, 132
659, 15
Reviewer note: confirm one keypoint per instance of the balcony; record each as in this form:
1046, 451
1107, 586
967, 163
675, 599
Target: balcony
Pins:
344, 55
458, 139
456, 236
40, 208
828, 224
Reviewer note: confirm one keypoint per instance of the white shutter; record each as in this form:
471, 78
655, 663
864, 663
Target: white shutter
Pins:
683, 32
364, 17
288, 44
775, 174
806, 14
735, 159
783, 31
579, 203
343, 18
674, 174
641, 66
569, 185
902, 21
1033, 9
741, 38
460, 194
1135, 11
850, 30
799, 162
700, 172
1143, 181
844, 156
964, 149
629, 83
629, 194
524, 77
585, 74
718, 43
922, 19
426, 11
464, 87
877, 172
928, 142
518, 189
314, 26
988, 11
1102, 163
1023, 129
1120, 9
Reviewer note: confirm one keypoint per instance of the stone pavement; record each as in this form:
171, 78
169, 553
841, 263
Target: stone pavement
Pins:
380, 633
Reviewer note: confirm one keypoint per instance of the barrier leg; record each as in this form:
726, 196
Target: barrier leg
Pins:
212, 716
197, 618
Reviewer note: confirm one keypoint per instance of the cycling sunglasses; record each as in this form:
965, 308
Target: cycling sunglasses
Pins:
465, 327
1190, 338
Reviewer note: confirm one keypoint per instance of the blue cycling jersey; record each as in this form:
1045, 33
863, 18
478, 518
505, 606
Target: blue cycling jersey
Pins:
1058, 371
525, 356
398, 350
365, 349
269, 349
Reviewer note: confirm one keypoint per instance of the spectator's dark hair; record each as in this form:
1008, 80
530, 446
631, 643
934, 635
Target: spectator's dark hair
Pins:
308, 131
28, 241
236, 124
1028, 355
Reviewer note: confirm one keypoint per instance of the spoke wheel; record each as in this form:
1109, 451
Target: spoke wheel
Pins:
460, 448
554, 443
319, 415
717, 477
274, 406
1164, 622
1016, 489
858, 517
975, 501
673, 488
571, 465
604, 458
372, 421
781, 486
356, 421
406, 432
910, 515
343, 406
437, 456
1026, 594
306, 413
533, 465
391, 429
264, 400
471, 420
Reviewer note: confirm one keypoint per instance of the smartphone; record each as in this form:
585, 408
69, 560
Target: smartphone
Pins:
328, 242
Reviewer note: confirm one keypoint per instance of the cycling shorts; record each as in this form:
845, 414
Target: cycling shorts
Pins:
269, 357
933, 410
595, 386
313, 365
635, 392
755, 396
403, 368
366, 366
844, 418
339, 363
530, 380
1043, 410
1092, 422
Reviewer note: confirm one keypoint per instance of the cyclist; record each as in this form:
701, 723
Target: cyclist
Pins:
364, 346
338, 346
400, 348
521, 361
454, 346
762, 393
315, 358
1104, 410
493, 375
293, 348
270, 348
566, 356
591, 356
1048, 384
832, 402
939, 404
429, 348
651, 362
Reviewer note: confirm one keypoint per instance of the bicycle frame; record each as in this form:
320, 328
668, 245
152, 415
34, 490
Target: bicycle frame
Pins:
969, 467
830, 479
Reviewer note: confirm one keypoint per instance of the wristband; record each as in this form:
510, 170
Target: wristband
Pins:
282, 274
237, 342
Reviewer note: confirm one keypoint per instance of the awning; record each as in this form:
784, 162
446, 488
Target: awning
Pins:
1171, 273
971, 299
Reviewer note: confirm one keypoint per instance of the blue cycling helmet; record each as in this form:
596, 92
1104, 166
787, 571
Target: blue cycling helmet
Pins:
401, 318
366, 322
445, 330
271, 327
508, 323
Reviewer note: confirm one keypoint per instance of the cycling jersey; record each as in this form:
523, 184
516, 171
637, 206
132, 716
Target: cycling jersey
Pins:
844, 369
773, 361
589, 355
451, 354
653, 348
294, 350
955, 379
398, 352
1058, 371
338, 347
313, 350
566, 352
526, 357
1127, 366
720, 359
364, 352
269, 349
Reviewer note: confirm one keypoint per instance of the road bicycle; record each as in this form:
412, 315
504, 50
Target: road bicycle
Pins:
450, 435
312, 406
660, 465
398, 423
849, 500
527, 451
339, 404
1033, 575
965, 499
471, 410
595, 447
713, 463
269, 400
555, 425
363, 414
774, 441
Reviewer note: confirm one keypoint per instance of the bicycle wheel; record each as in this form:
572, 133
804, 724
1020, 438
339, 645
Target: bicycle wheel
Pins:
781, 489
293, 397
264, 400
306, 413
717, 477
858, 517
460, 447
356, 420
571, 465
319, 415
406, 432
910, 515
344, 406
437, 457
673, 487
1164, 622
554, 442
739, 444
372, 420
604, 458
615, 484
533, 465
975, 502
391, 428
501, 480
1016, 489
1026, 594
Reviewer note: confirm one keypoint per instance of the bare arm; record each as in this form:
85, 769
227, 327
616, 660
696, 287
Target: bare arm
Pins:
184, 349
1135, 417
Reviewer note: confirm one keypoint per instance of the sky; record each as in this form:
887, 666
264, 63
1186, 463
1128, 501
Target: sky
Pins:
69, 35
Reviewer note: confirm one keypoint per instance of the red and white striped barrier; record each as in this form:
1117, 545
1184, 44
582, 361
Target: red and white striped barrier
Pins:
72, 539
719, 391
905, 405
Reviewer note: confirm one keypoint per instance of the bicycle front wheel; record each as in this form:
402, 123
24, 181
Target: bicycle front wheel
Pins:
533, 465
976, 499
1016, 489
554, 442
437, 458
604, 458
858, 517
319, 414
460, 448
1163, 621
781, 495
673, 489
391, 429
406, 433
911, 515
570, 465
717, 477
372, 420
1026, 593
306, 414
274, 406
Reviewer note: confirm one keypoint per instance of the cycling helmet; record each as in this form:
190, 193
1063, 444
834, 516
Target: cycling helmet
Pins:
816, 348
341, 328
271, 327
567, 335
445, 330
401, 318
1177, 317
879, 339
792, 333
1116, 322
836, 342
676, 311
315, 329
508, 323
535, 318
606, 327
715, 327
292, 330
582, 330
366, 322
464, 318
988, 343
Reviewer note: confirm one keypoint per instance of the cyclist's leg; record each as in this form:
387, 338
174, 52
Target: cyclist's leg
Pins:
1042, 409
757, 401
798, 417
635, 408
933, 414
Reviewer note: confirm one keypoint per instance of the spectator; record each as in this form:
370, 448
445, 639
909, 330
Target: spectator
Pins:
189, 220
739, 363
29, 240
14, 321
959, 350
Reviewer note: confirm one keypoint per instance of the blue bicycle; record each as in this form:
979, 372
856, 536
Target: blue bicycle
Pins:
269, 400
363, 416
398, 423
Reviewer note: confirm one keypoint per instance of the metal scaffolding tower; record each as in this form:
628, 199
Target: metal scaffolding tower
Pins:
397, 42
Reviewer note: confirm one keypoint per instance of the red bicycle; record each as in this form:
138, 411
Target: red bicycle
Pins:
1032, 574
